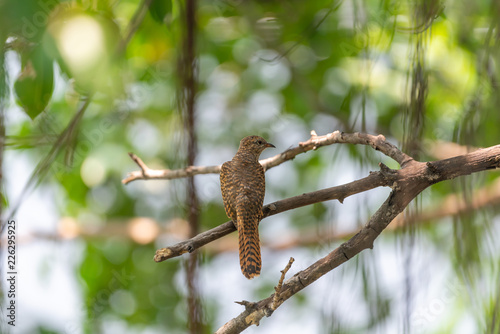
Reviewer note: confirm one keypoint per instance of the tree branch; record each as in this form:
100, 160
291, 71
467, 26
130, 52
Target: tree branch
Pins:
379, 143
147, 173
374, 180
277, 289
254, 314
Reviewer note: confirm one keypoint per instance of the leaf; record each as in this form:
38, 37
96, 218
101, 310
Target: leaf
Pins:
35, 84
26, 19
159, 9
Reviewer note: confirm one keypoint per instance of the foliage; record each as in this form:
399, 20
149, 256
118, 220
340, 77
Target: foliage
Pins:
422, 73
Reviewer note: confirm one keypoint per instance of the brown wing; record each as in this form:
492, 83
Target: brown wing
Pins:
251, 189
228, 190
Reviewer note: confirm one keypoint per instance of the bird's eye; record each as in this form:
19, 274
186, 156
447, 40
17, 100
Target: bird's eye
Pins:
259, 142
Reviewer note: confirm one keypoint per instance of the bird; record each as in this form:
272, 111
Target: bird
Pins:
243, 187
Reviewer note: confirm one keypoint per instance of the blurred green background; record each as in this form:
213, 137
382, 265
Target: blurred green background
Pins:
82, 83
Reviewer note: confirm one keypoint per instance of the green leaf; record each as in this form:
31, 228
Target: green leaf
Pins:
26, 19
159, 9
35, 84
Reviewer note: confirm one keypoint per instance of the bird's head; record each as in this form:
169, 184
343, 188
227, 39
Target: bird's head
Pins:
254, 145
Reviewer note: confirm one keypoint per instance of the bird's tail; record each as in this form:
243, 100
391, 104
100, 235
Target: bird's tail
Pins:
250, 260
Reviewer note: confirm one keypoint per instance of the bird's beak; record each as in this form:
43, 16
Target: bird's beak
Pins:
270, 145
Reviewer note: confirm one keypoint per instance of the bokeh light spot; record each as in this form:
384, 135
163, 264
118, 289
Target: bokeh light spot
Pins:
92, 172
123, 302
143, 230
68, 228
81, 42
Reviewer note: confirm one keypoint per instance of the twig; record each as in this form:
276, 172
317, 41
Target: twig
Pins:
277, 289
147, 173
254, 312
379, 143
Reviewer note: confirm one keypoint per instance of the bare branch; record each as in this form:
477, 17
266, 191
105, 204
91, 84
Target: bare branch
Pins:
379, 143
277, 289
253, 312
147, 173
374, 180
